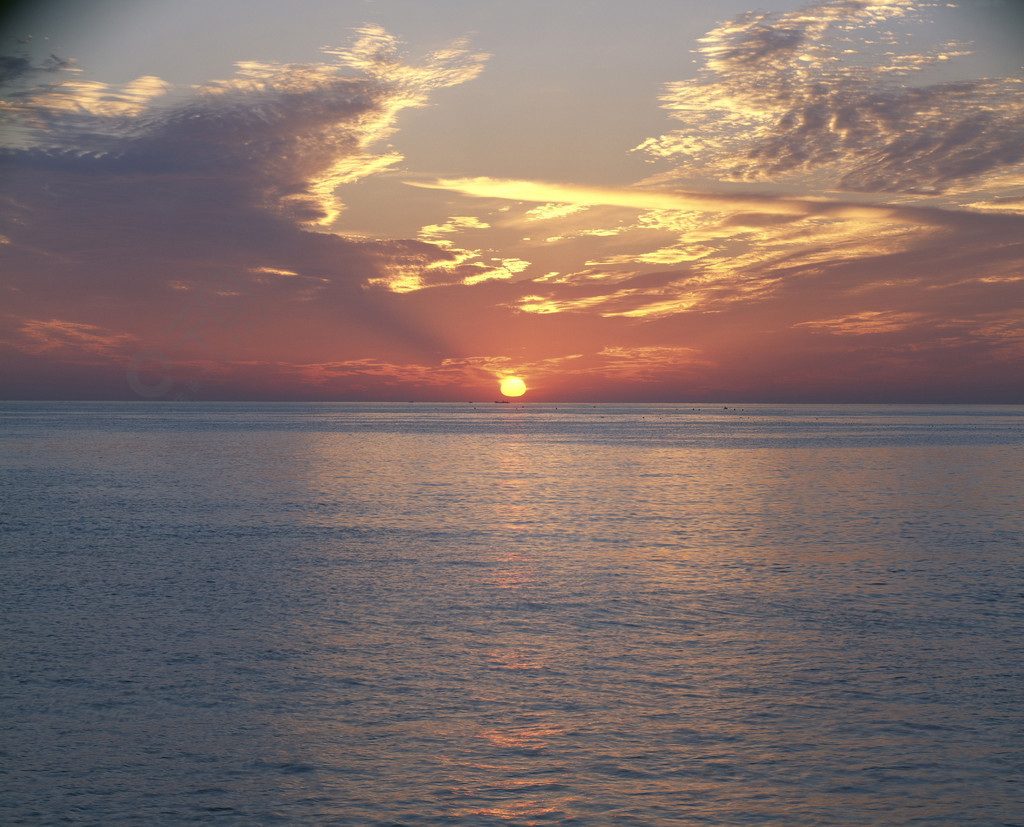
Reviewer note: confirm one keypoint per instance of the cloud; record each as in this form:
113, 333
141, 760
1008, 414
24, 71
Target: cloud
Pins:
864, 323
479, 372
131, 208
788, 96
650, 198
731, 246
439, 233
639, 363
627, 363
72, 339
16, 69
279, 137
229, 179
553, 210
580, 197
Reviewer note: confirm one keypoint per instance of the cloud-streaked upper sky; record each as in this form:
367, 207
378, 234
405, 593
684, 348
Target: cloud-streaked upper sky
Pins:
406, 199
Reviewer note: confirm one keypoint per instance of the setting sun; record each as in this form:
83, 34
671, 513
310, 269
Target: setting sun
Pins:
744, 228
513, 386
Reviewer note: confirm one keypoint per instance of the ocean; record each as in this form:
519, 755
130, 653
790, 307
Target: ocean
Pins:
389, 614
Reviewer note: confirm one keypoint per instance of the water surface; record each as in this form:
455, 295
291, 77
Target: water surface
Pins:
528, 614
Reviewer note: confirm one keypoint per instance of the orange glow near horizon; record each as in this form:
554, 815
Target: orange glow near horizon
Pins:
738, 225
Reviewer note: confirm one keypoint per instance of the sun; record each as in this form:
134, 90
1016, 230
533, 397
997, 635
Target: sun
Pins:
513, 386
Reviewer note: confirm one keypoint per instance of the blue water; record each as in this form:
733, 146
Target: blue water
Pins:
250, 614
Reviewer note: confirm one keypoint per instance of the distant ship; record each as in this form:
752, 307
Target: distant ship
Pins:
500, 401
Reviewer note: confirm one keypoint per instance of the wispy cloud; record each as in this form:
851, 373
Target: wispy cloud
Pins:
864, 323
823, 94
71, 339
738, 246
280, 137
149, 193
576, 197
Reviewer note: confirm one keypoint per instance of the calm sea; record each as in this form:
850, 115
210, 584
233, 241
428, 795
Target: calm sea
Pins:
255, 614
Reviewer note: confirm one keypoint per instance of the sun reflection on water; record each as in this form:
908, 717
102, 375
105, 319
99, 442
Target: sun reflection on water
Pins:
532, 631
515, 810
506, 794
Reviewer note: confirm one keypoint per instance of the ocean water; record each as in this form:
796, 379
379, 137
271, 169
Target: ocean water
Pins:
333, 614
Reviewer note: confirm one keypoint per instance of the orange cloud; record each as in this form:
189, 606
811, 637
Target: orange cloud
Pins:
863, 323
71, 339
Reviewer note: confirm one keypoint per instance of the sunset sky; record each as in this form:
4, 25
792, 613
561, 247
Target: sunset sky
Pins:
615, 201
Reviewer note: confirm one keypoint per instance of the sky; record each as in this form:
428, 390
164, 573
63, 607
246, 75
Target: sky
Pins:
655, 200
